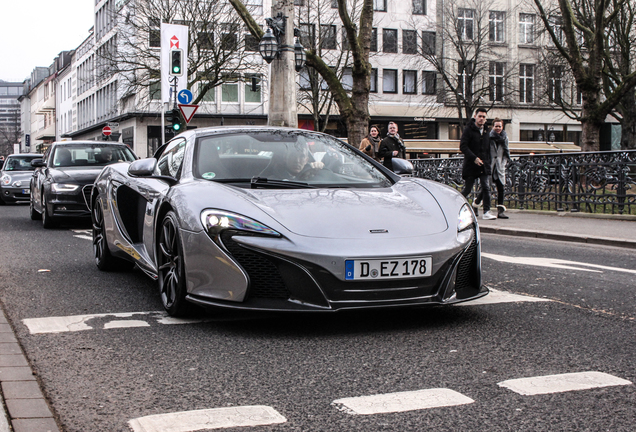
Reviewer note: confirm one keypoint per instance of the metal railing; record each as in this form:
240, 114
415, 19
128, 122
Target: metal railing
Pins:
591, 182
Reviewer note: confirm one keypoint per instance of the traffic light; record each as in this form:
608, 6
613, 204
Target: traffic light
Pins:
176, 62
174, 117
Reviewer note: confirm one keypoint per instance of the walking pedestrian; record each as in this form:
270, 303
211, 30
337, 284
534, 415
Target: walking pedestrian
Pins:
371, 143
391, 146
475, 145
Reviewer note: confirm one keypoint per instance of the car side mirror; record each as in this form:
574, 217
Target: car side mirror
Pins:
142, 167
402, 166
39, 162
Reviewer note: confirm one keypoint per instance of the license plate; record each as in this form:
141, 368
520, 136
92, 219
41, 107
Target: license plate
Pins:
26, 191
390, 268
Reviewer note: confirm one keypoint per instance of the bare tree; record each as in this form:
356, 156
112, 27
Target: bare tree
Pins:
580, 37
10, 133
218, 49
472, 70
353, 103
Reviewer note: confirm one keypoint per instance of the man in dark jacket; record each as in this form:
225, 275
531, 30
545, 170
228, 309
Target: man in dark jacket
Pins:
391, 146
475, 145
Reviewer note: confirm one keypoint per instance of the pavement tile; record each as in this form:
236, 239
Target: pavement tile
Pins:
16, 373
5, 328
7, 337
35, 425
10, 348
3, 319
13, 360
21, 390
28, 408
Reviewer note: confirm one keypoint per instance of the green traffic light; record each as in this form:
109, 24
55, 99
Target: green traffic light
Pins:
176, 126
176, 69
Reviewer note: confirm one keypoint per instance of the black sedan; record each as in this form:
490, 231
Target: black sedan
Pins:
64, 177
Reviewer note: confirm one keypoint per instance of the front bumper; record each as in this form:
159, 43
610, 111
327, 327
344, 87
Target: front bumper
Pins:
70, 205
14, 194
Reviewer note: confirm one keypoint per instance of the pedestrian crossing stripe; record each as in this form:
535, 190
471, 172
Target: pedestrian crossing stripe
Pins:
562, 383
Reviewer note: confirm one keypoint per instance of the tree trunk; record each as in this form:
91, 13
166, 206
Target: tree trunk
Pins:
590, 138
628, 126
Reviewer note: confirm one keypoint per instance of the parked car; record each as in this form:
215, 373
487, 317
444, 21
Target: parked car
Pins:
63, 178
15, 178
247, 218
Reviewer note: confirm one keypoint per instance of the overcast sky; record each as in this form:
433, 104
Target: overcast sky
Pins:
34, 32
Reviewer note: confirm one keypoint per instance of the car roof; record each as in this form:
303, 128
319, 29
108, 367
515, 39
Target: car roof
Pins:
240, 128
25, 154
89, 142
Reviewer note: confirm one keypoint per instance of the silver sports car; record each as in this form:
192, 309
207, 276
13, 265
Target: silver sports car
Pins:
283, 219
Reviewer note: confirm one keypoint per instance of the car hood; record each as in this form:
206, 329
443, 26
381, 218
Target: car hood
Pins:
18, 175
81, 175
405, 210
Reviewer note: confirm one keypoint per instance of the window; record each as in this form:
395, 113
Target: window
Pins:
334, 4
307, 35
155, 85
251, 43
428, 43
328, 36
429, 79
374, 81
374, 40
347, 79
465, 77
154, 33
419, 7
345, 40
253, 88
579, 96
526, 83
409, 41
379, 5
389, 40
205, 37
496, 26
169, 163
229, 37
389, 81
409, 85
526, 28
229, 90
496, 81
209, 95
465, 22
299, 3
555, 83
556, 22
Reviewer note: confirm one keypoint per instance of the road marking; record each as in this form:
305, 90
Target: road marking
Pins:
83, 234
402, 401
82, 322
496, 296
562, 383
553, 263
216, 418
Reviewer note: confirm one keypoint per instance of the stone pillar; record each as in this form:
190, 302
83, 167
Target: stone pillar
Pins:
282, 80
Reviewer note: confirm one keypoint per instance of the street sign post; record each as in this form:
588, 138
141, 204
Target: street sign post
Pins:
106, 131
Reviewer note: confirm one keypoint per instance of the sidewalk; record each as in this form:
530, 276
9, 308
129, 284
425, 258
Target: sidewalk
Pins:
609, 230
29, 412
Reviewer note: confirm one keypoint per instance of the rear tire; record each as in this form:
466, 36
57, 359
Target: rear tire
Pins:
171, 269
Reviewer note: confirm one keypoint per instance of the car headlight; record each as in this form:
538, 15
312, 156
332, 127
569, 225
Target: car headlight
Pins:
6, 179
64, 187
216, 221
465, 218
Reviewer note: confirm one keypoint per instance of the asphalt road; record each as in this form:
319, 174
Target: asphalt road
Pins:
117, 368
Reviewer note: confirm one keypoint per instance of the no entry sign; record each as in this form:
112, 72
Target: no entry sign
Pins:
106, 131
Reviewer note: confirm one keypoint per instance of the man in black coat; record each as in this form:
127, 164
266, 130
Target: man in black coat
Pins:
391, 146
475, 145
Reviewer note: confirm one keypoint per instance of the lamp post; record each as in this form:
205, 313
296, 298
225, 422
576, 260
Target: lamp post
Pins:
549, 137
277, 47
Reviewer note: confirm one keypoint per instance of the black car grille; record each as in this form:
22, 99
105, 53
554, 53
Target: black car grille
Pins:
466, 267
264, 278
86, 191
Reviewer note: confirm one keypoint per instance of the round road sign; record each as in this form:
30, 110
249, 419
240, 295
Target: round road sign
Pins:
106, 130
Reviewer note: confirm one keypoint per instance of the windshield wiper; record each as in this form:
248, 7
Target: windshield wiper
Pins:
262, 182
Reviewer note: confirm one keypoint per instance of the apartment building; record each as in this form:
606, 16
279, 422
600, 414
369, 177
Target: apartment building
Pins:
9, 115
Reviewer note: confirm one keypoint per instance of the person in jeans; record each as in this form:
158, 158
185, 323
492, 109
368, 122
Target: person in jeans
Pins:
475, 145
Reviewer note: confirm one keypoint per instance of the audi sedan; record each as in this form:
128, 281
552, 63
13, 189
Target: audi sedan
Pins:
15, 178
64, 177
285, 220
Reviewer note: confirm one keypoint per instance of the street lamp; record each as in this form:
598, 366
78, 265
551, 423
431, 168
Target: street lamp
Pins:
273, 42
549, 137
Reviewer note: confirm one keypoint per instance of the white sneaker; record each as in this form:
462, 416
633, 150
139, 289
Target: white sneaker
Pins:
489, 215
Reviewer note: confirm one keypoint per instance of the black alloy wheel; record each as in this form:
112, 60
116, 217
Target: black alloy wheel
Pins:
172, 280
104, 260
47, 220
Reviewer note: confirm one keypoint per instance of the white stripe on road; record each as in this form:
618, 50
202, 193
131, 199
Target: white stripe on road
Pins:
81, 322
496, 296
562, 383
553, 263
217, 418
402, 401
84, 237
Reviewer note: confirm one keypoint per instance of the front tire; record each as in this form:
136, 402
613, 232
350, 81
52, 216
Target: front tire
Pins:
103, 258
171, 268
47, 220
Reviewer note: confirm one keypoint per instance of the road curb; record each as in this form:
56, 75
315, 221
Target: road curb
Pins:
605, 241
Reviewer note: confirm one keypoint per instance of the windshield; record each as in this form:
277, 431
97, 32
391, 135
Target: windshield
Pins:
91, 155
19, 163
284, 156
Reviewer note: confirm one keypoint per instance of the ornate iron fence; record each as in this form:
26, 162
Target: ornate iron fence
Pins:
598, 182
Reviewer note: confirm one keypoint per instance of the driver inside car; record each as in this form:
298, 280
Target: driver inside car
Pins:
295, 165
